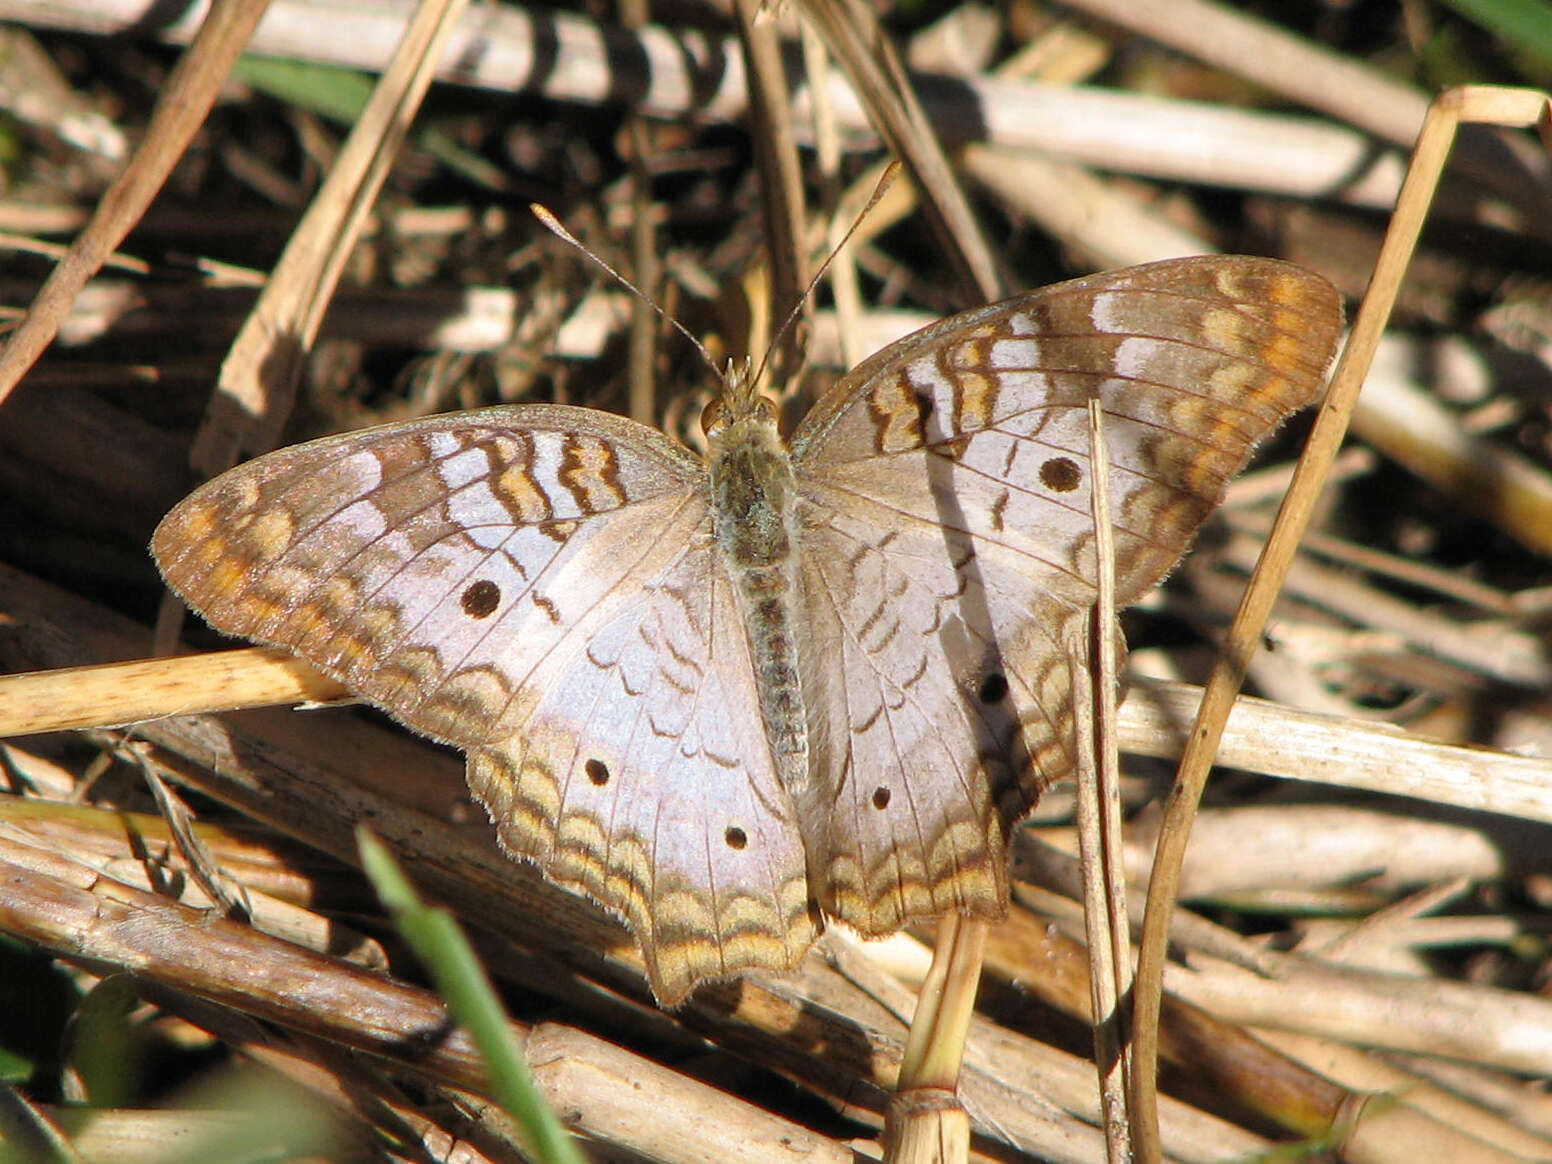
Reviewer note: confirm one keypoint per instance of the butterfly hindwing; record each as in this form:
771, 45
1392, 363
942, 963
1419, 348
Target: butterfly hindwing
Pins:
932, 725
641, 777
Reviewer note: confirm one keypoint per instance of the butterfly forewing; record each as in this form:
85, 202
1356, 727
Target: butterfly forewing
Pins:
405, 560
950, 537
984, 415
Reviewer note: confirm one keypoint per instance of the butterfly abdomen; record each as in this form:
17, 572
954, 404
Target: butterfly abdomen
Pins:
754, 502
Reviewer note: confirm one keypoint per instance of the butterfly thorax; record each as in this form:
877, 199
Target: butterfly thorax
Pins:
754, 514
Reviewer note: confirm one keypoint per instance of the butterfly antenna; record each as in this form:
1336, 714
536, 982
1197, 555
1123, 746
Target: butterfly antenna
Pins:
891, 172
553, 225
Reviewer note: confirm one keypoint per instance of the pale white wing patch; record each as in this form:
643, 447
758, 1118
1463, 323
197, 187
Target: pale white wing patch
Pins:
421, 563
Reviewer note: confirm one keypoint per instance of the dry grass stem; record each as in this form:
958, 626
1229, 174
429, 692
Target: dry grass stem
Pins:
191, 90
1107, 227
1281, 61
1401, 420
1107, 931
854, 39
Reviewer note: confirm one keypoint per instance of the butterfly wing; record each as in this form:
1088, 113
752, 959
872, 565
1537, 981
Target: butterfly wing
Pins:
537, 586
949, 544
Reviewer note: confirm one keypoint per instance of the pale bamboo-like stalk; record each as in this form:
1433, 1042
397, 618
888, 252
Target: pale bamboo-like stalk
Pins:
926, 1123
1268, 738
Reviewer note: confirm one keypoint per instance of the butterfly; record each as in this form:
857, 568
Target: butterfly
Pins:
732, 696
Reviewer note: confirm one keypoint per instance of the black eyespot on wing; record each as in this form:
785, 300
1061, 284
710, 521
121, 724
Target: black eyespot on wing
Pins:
597, 771
881, 797
994, 688
735, 837
1061, 474
480, 599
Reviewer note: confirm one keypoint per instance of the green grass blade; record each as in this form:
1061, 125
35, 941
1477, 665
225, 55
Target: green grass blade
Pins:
461, 981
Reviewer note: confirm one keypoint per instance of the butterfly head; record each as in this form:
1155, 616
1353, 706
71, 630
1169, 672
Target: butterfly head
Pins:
738, 401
